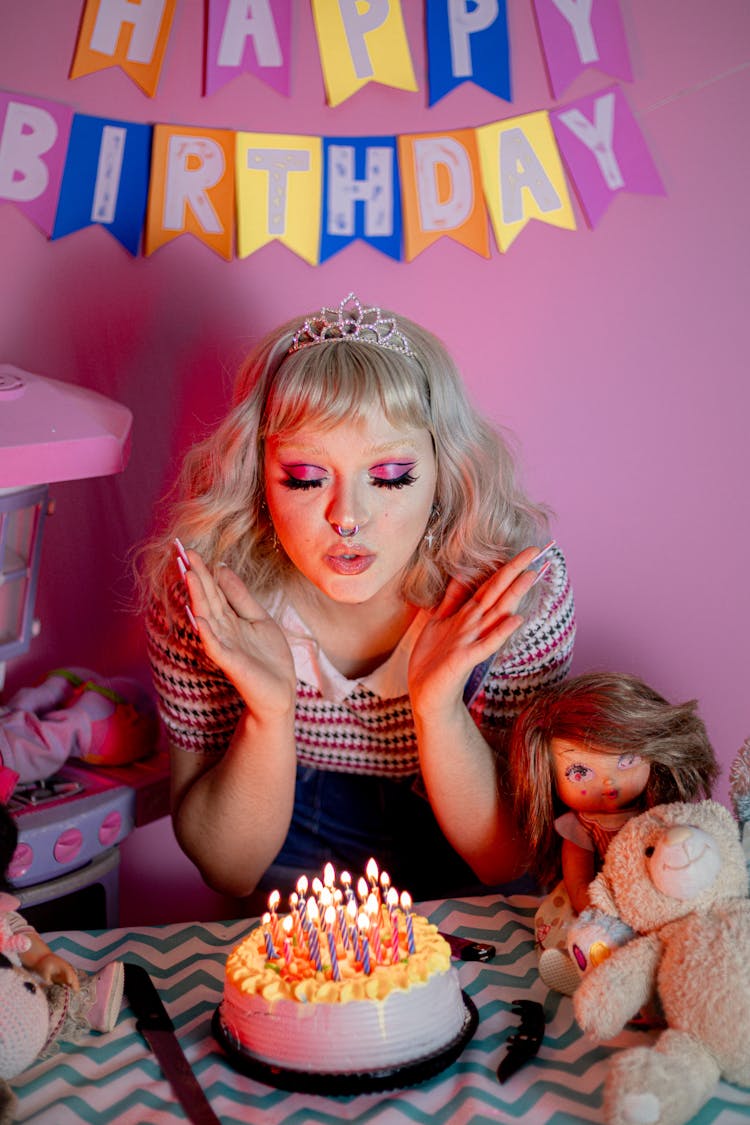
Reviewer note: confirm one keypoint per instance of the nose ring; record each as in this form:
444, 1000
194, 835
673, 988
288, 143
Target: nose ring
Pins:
345, 532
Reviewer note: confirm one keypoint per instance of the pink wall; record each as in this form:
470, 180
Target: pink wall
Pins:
615, 355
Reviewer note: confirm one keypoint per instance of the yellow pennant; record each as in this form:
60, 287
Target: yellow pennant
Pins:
131, 36
279, 189
192, 188
523, 176
362, 41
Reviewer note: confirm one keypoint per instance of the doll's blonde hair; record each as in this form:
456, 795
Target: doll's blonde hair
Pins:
612, 713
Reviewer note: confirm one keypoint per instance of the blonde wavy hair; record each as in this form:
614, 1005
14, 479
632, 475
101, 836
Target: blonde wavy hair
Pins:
481, 516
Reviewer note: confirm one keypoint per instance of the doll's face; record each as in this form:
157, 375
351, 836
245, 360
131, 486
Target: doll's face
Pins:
589, 780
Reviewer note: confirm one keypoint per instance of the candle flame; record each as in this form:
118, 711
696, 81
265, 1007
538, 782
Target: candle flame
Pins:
406, 901
317, 886
313, 914
329, 875
385, 880
362, 889
287, 924
345, 878
351, 909
325, 898
363, 923
302, 884
371, 871
392, 897
330, 916
372, 906
273, 901
266, 919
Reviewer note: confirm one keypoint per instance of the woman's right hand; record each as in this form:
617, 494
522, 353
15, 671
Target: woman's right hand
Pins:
241, 638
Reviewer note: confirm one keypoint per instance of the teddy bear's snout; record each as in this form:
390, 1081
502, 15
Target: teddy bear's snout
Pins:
685, 862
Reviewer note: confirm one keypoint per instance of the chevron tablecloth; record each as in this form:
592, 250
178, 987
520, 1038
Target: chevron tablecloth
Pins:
115, 1079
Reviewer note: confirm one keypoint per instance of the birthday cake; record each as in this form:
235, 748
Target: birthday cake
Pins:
344, 983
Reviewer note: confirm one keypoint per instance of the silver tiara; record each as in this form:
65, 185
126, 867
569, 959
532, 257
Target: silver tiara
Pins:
352, 321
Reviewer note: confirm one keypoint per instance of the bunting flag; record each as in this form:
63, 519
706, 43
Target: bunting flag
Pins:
441, 191
523, 176
467, 41
249, 37
131, 36
579, 34
279, 193
361, 195
33, 142
604, 151
360, 44
192, 187
105, 179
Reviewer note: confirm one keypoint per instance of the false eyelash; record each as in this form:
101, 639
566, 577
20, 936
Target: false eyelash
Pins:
397, 482
294, 483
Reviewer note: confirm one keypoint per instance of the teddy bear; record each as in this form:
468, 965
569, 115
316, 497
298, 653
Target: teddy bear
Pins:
24, 1028
677, 876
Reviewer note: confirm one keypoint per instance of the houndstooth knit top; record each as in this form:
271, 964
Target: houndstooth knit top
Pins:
364, 725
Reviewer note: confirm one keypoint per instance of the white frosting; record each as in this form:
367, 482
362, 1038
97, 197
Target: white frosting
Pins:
358, 1036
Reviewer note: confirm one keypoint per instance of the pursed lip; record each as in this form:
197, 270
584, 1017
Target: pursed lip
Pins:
353, 561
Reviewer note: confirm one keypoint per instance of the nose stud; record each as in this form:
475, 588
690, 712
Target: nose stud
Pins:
345, 532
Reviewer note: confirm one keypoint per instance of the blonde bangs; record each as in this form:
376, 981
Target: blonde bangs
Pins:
325, 384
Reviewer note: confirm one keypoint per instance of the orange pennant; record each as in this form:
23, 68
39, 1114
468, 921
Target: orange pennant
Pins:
192, 187
441, 190
131, 36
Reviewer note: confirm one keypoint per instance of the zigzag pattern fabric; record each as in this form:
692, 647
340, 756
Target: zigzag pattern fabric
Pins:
114, 1078
362, 734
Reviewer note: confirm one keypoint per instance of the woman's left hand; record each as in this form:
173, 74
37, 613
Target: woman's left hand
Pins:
464, 630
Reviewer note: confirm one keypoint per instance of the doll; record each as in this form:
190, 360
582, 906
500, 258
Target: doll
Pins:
586, 756
76, 1002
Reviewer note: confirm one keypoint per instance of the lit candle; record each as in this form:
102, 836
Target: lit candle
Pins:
287, 926
301, 891
316, 887
341, 917
373, 912
362, 889
273, 901
346, 883
385, 883
363, 925
270, 951
371, 871
406, 907
330, 920
296, 920
351, 912
329, 876
313, 917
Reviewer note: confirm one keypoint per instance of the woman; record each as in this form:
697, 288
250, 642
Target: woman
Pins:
357, 550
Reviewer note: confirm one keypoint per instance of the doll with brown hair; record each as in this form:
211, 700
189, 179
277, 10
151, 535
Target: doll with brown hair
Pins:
585, 756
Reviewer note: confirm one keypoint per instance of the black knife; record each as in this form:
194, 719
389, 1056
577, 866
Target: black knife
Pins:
157, 1029
466, 950
525, 1043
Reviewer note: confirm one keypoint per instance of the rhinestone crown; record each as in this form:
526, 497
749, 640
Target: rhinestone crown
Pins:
351, 321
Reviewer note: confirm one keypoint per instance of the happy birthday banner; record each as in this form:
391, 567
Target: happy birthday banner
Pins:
237, 191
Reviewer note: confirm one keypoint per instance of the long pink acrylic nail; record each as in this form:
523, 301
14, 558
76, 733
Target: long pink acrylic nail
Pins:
190, 616
540, 555
182, 553
541, 573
